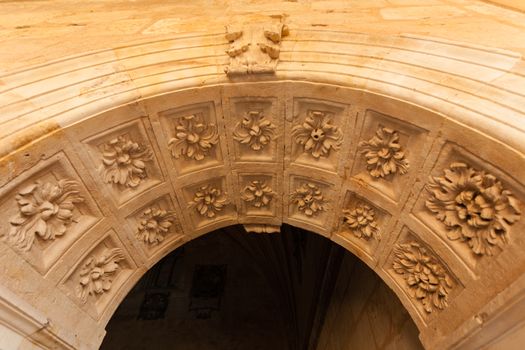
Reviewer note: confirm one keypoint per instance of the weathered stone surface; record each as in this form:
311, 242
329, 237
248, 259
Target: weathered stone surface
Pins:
356, 134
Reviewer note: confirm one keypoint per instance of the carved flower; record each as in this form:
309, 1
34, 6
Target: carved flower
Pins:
384, 154
125, 161
361, 222
258, 193
96, 273
254, 130
473, 206
154, 225
318, 135
309, 199
193, 138
209, 200
427, 279
45, 210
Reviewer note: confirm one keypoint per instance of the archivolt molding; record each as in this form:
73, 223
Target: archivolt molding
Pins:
331, 142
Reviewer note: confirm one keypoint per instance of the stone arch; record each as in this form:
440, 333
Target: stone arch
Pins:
450, 112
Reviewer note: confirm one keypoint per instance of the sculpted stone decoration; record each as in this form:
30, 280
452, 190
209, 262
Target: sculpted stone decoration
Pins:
318, 135
209, 200
97, 273
154, 225
474, 207
257, 193
309, 199
361, 221
46, 210
427, 280
384, 155
254, 130
125, 161
262, 228
194, 138
254, 49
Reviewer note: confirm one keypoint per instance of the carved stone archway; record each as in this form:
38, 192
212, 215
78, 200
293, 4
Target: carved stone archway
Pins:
405, 150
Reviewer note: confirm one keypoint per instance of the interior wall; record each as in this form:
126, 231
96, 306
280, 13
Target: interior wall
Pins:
364, 313
245, 316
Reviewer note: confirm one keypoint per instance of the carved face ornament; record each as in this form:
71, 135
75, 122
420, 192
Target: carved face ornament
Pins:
473, 206
361, 222
258, 193
254, 130
427, 280
125, 162
383, 153
194, 138
318, 135
309, 199
45, 210
209, 200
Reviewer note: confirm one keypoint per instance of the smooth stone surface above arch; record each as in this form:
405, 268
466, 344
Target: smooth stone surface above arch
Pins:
405, 150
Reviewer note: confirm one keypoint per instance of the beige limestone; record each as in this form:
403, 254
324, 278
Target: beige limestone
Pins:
101, 108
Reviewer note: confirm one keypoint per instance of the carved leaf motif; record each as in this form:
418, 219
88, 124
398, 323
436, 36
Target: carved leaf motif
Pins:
309, 199
125, 161
361, 221
46, 210
425, 277
254, 130
384, 155
318, 135
209, 200
254, 49
474, 207
96, 274
194, 138
154, 225
257, 193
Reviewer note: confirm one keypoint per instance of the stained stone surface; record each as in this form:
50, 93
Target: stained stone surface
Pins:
409, 108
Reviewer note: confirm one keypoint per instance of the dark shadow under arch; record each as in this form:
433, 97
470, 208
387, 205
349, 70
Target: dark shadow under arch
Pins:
235, 290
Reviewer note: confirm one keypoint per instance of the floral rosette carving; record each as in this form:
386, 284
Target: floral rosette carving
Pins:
97, 272
361, 222
384, 155
194, 138
208, 201
318, 135
474, 207
46, 210
257, 193
154, 225
426, 279
254, 130
125, 161
309, 199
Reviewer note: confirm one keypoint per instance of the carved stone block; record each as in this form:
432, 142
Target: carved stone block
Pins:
388, 149
193, 136
98, 275
208, 202
155, 225
48, 209
310, 202
471, 206
362, 224
124, 160
256, 129
254, 49
258, 195
317, 134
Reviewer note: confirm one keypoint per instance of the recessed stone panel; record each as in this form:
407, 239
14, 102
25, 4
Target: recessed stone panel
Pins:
48, 208
124, 161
